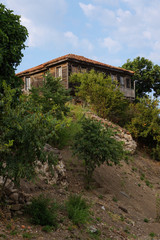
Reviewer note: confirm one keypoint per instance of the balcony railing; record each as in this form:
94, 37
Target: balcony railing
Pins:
128, 92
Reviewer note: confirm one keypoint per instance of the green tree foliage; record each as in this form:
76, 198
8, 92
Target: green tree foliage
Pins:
52, 96
147, 76
94, 144
26, 127
145, 124
12, 38
101, 93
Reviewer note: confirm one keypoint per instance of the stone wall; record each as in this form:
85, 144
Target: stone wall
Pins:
121, 134
17, 198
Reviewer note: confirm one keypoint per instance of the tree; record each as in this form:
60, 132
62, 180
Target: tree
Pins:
52, 96
27, 127
145, 124
101, 93
94, 144
147, 76
12, 38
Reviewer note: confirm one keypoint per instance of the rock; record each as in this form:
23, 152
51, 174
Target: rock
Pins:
21, 200
14, 197
25, 186
16, 207
125, 194
10, 190
123, 209
19, 212
8, 215
121, 134
9, 201
52, 174
49, 148
92, 229
103, 208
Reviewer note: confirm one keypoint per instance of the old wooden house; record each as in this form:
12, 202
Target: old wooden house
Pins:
64, 66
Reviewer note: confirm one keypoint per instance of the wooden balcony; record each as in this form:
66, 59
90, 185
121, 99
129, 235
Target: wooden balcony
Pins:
128, 92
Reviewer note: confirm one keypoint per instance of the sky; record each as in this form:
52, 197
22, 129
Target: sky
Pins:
109, 31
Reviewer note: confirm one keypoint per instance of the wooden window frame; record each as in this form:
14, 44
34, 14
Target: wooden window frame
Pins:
128, 83
59, 74
27, 84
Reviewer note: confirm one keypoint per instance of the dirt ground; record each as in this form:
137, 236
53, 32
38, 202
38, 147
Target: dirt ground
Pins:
124, 202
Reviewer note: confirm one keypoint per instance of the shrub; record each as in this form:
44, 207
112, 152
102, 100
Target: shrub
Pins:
28, 126
94, 144
52, 96
145, 124
24, 130
77, 209
43, 211
47, 228
101, 93
27, 235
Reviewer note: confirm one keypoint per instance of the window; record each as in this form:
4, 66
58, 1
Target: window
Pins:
113, 77
121, 81
83, 70
27, 84
128, 83
59, 72
118, 78
132, 84
75, 69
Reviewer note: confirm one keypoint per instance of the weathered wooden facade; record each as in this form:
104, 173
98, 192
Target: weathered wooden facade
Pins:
63, 67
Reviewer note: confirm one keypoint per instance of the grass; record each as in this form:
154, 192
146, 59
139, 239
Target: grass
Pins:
14, 232
148, 184
152, 234
146, 220
9, 226
43, 211
95, 235
134, 169
127, 230
27, 235
122, 218
115, 199
47, 229
3, 236
100, 196
77, 209
142, 177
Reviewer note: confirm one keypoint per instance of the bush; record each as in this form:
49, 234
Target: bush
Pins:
71, 125
28, 126
77, 209
145, 124
102, 94
47, 228
24, 130
43, 211
52, 97
95, 145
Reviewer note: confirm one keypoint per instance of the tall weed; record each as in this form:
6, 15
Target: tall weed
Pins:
77, 209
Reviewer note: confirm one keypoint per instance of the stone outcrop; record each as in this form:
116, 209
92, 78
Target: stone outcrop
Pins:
55, 173
17, 198
121, 134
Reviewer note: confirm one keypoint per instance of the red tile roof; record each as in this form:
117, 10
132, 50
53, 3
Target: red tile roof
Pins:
70, 56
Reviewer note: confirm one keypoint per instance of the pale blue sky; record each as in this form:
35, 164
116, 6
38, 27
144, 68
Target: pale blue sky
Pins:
110, 31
